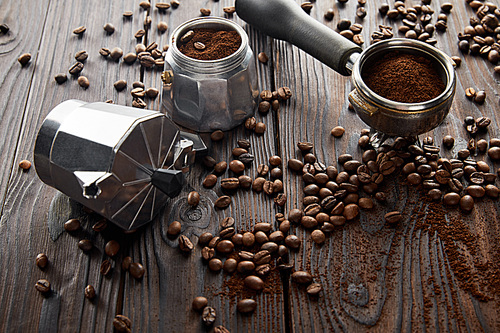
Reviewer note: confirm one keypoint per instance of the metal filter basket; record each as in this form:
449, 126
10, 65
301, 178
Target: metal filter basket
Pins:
395, 118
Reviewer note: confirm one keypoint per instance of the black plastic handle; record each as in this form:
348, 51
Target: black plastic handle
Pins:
286, 20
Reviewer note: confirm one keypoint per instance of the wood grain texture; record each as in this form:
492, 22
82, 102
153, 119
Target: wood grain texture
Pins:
377, 278
15, 80
174, 279
32, 211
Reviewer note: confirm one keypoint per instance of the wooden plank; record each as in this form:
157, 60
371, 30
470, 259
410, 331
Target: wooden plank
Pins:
15, 80
405, 272
33, 213
163, 298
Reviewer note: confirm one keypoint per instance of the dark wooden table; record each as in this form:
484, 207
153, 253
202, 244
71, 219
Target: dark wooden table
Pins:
375, 278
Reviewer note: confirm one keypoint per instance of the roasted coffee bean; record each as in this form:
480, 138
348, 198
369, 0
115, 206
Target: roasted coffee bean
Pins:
295, 215
246, 305
302, 277
489, 177
204, 238
80, 30
122, 323
111, 248
126, 263
261, 237
337, 131
207, 253
268, 187
61, 78
364, 142
89, 292
83, 82
230, 183
106, 267
393, 217
482, 145
136, 270
215, 265
277, 173
185, 244
225, 246
213, 242
295, 165
227, 233
85, 245
492, 191
220, 167
262, 257
174, 228
494, 153
318, 236
76, 68
480, 97
254, 282
365, 203
292, 241
244, 181
209, 315
193, 198
210, 181
305, 146
467, 203
280, 199
342, 159
236, 166
451, 199
227, 222
435, 194
230, 265
475, 191
217, 135
476, 178
43, 286
311, 189
199, 303
72, 225
351, 211
250, 123
41, 260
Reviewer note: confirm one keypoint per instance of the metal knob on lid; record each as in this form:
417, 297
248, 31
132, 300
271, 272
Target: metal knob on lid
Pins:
123, 163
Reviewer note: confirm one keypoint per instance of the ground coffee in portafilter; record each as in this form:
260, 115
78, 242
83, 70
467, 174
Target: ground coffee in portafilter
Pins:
209, 44
403, 77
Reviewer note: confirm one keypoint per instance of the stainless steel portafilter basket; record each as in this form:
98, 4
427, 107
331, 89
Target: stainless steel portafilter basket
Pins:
395, 118
121, 162
285, 19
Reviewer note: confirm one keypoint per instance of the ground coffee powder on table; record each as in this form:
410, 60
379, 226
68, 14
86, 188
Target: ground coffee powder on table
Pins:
405, 78
211, 44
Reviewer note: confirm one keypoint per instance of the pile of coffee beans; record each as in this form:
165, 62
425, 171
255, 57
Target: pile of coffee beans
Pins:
482, 35
334, 196
273, 186
252, 255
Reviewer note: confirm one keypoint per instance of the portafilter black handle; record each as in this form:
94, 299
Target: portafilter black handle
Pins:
286, 20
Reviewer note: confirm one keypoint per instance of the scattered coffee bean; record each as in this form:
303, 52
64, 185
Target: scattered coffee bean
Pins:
185, 244
120, 85
337, 131
193, 198
136, 270
61, 78
43, 286
85, 245
104, 52
254, 282
112, 247
122, 323
302, 277
79, 30
217, 135
205, 11
199, 303
41, 260
116, 53
109, 28
393, 217
229, 10
314, 289
83, 82
246, 305
76, 68
106, 267
236, 166
223, 202
89, 292
263, 58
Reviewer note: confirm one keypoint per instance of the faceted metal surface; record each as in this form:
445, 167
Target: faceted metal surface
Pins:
104, 156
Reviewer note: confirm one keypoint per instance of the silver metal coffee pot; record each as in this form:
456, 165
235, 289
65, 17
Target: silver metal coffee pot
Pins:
121, 162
